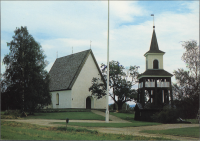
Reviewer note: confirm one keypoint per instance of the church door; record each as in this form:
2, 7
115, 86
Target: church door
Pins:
88, 103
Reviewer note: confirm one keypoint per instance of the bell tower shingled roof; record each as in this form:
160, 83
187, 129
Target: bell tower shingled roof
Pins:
154, 44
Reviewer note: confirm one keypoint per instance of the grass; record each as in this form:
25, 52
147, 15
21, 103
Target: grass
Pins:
125, 116
25, 131
185, 132
64, 115
116, 125
130, 117
193, 121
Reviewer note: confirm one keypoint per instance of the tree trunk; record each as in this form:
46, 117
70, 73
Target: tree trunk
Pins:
119, 104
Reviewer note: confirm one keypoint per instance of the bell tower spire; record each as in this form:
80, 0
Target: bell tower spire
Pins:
154, 57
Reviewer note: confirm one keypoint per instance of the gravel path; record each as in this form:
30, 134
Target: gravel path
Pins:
126, 130
113, 118
136, 130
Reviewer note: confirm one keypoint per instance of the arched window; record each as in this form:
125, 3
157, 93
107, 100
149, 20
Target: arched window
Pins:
155, 64
57, 99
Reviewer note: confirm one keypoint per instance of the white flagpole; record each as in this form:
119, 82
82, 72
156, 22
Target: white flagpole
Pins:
107, 105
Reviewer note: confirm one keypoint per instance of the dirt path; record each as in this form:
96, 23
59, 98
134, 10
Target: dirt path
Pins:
113, 118
126, 130
136, 130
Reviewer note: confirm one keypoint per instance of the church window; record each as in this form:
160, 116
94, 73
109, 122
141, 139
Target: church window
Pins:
57, 99
155, 64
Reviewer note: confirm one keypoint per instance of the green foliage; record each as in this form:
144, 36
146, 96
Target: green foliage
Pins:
16, 113
98, 88
121, 83
167, 115
11, 114
186, 90
125, 108
25, 78
185, 132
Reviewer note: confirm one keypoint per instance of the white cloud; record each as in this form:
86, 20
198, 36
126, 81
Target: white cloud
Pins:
60, 25
125, 10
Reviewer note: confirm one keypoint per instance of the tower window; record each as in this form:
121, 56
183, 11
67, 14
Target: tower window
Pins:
155, 64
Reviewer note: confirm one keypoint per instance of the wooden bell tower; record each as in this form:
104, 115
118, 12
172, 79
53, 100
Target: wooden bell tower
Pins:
154, 88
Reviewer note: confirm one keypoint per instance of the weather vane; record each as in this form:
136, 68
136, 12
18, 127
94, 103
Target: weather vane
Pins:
153, 20
72, 50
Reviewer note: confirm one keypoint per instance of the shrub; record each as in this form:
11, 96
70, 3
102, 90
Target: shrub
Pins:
10, 114
126, 111
167, 115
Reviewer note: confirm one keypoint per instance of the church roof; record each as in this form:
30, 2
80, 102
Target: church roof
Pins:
153, 72
66, 69
154, 44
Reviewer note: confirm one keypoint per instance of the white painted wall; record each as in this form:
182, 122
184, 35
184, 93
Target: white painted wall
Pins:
80, 89
151, 57
64, 99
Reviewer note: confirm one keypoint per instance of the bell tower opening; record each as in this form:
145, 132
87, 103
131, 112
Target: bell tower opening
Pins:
155, 64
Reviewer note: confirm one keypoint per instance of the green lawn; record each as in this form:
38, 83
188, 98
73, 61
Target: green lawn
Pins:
91, 116
193, 121
125, 116
130, 117
64, 115
185, 132
117, 125
24, 131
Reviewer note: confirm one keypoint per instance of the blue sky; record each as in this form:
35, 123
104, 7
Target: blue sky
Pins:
59, 25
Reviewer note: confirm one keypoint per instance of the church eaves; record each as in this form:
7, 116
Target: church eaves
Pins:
154, 45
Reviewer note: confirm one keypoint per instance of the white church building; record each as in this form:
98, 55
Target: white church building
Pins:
70, 79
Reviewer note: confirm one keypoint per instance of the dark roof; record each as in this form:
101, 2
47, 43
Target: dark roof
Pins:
66, 69
154, 44
159, 72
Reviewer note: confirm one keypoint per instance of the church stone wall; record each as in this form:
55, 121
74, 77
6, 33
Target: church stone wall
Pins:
80, 89
64, 99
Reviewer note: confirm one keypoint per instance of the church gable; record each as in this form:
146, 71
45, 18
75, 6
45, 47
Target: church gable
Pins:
80, 89
65, 70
